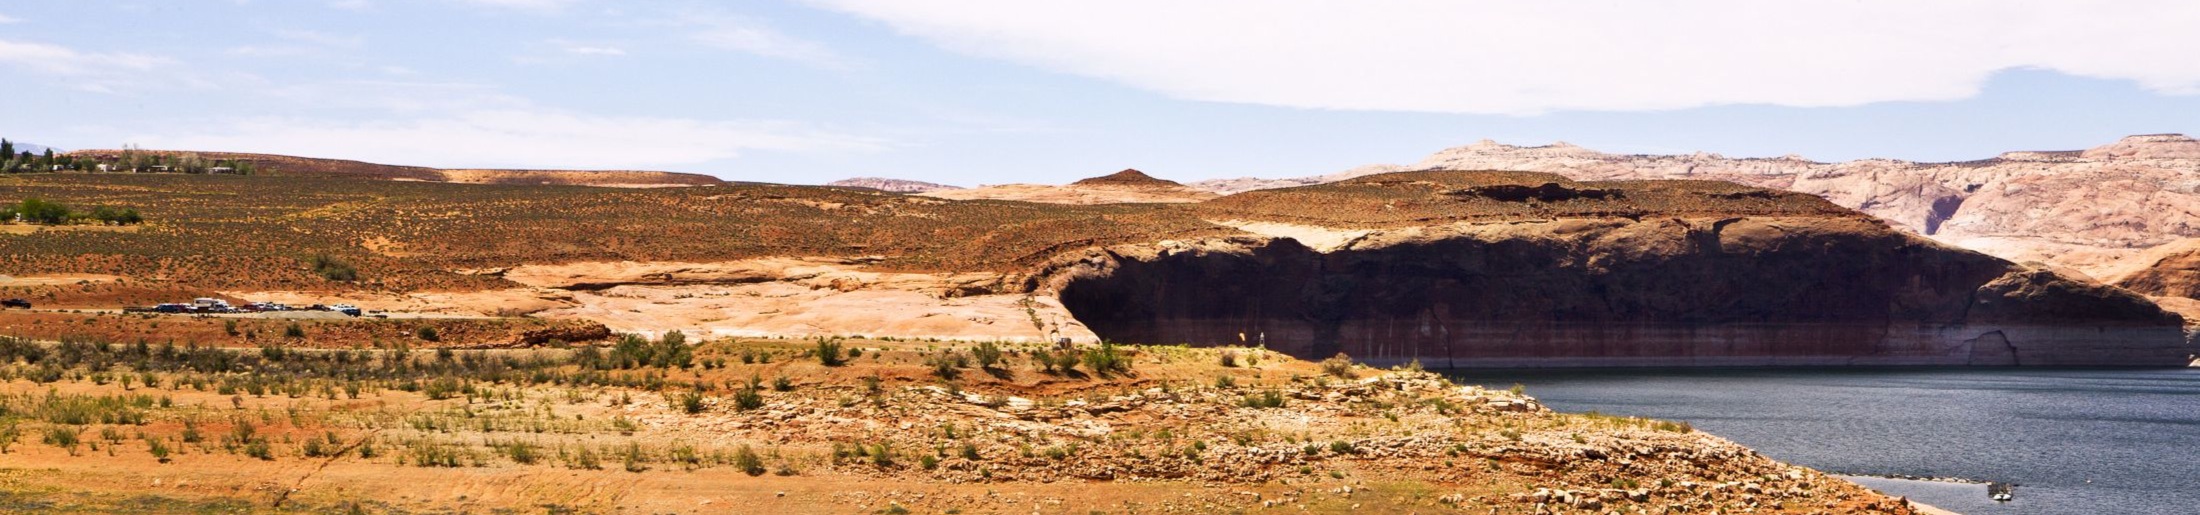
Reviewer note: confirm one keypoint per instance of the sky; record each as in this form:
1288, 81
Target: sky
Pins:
972, 92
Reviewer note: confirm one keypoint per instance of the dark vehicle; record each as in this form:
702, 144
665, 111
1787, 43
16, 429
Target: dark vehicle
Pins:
15, 303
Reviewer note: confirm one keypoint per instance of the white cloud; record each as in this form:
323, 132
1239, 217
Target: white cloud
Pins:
5, 19
391, 95
98, 72
513, 139
750, 37
587, 49
320, 38
1518, 57
530, 5
351, 5
60, 60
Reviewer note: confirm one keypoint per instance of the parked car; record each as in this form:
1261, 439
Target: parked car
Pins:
347, 309
15, 303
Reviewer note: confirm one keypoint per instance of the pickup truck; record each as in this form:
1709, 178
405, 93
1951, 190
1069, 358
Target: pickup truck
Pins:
15, 303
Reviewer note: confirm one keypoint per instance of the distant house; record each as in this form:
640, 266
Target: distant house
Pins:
104, 167
221, 169
159, 168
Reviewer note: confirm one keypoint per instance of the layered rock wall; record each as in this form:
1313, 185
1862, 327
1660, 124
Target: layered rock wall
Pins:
1704, 291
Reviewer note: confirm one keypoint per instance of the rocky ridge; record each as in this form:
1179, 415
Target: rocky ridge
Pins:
2083, 210
1129, 186
891, 185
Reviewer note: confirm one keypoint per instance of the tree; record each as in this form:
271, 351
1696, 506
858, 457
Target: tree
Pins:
40, 211
7, 148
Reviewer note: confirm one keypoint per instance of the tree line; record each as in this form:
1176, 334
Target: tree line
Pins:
132, 159
39, 211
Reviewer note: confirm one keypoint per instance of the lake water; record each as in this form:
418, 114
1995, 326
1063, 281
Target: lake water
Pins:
2076, 441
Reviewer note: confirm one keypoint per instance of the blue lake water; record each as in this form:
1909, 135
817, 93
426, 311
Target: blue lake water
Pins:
2077, 441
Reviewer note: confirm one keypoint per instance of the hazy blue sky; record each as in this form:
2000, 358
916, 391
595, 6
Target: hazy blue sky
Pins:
991, 91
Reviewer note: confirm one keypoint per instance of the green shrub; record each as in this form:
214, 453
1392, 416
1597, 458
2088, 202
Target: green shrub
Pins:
748, 398
828, 352
331, 268
1107, 359
948, 365
988, 354
634, 460
64, 437
158, 448
690, 402
1339, 366
746, 459
1267, 399
1342, 447
258, 448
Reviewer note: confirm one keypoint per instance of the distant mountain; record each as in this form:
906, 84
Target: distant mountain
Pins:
1129, 186
2081, 209
891, 185
292, 166
1127, 177
33, 148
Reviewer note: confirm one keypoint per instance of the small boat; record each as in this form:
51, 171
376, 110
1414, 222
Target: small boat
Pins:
2000, 492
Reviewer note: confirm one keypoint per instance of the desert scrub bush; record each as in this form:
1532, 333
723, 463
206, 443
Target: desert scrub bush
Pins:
319, 448
259, 448
1229, 358
634, 459
583, 458
828, 352
782, 384
1064, 362
430, 453
1675, 427
749, 396
444, 388
1343, 447
427, 334
331, 268
947, 365
158, 448
1267, 399
1339, 366
521, 452
1107, 359
745, 458
64, 437
690, 402
988, 354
